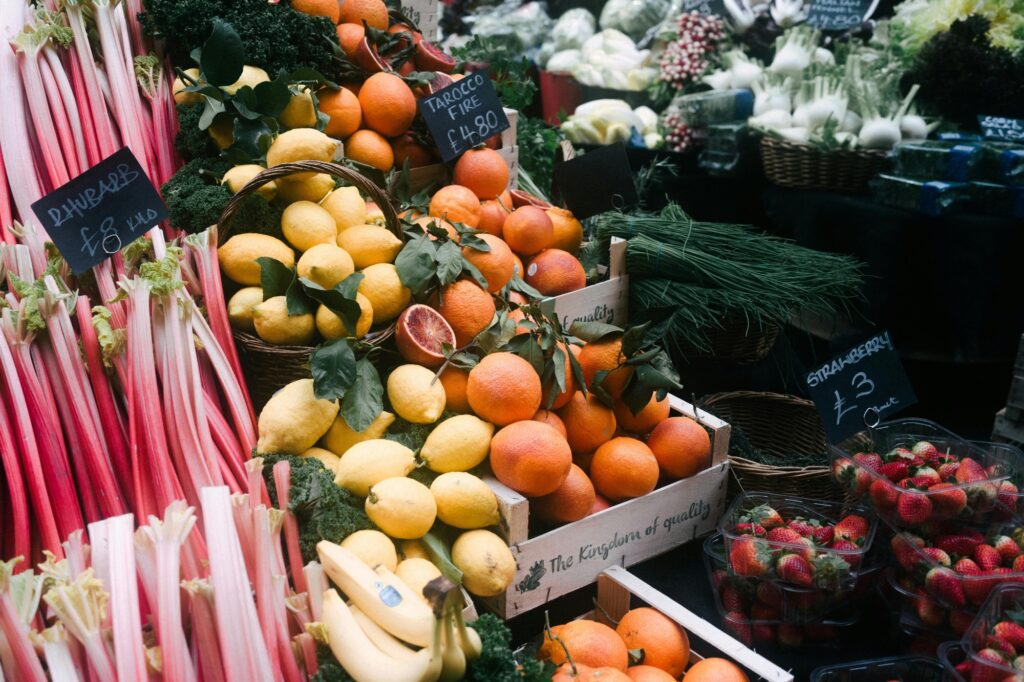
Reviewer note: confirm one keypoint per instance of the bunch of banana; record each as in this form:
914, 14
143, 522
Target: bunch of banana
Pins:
373, 635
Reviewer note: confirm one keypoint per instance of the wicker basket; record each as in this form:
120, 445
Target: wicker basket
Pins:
267, 367
779, 425
801, 167
740, 341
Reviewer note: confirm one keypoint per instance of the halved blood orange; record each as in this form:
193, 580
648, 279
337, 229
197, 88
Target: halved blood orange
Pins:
419, 333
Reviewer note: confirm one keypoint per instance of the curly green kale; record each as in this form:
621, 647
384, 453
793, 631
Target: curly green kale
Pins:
191, 142
497, 663
324, 510
328, 668
195, 200
276, 37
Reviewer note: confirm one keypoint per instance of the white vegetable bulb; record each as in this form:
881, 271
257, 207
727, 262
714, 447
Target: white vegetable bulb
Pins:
823, 55
718, 80
851, 122
914, 127
773, 119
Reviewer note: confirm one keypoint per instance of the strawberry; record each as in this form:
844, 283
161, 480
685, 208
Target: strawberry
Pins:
884, 494
900, 454
765, 516
830, 570
769, 594
755, 529
749, 557
916, 483
852, 477
869, 460
987, 557
805, 527
795, 569
1011, 632
784, 535
739, 626
970, 471
1007, 547
763, 612
852, 527
731, 599
925, 473
1018, 564
905, 548
1001, 645
1007, 495
988, 666
937, 556
947, 470
945, 585
975, 587
790, 635
959, 621
763, 633
895, 471
913, 507
823, 536
850, 551
929, 611
948, 499
925, 450
961, 543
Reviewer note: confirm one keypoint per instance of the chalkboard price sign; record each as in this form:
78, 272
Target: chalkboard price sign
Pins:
706, 7
839, 15
464, 114
864, 384
101, 211
1002, 128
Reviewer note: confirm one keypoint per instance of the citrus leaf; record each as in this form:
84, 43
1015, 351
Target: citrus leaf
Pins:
632, 339
364, 401
526, 347
653, 378
593, 331
275, 277
272, 97
449, 262
598, 388
297, 300
520, 285
223, 55
577, 373
211, 108
341, 300
558, 358
416, 264
645, 357
471, 241
636, 395
475, 273
333, 366
245, 103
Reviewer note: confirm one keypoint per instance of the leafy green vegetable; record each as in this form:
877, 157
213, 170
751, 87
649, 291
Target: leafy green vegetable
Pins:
537, 142
191, 141
497, 662
328, 668
506, 66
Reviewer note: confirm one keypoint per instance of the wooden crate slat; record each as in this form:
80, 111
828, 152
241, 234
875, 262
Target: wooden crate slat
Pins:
1004, 429
1015, 399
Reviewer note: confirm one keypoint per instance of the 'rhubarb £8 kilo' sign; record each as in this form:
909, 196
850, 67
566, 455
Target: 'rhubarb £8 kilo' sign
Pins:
101, 211
464, 114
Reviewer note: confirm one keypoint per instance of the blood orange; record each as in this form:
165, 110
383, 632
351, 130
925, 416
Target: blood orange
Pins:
419, 334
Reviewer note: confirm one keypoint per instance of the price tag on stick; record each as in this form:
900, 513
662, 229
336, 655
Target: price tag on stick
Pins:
862, 385
839, 15
101, 211
464, 114
596, 182
706, 7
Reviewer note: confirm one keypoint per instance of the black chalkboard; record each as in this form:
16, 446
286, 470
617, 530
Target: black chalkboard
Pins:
464, 114
596, 182
862, 385
839, 15
1002, 128
101, 211
711, 7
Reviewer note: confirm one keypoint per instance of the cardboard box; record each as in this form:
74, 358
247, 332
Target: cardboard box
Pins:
606, 301
572, 556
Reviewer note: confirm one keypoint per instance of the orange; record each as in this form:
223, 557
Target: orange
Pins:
583, 460
568, 232
343, 109
520, 269
551, 419
570, 502
600, 504
584, 673
349, 37
456, 204
504, 388
588, 422
681, 445
454, 381
553, 272
426, 220
528, 230
652, 414
408, 148
374, 214
589, 643
373, 12
388, 104
624, 468
531, 458
318, 8
482, 170
606, 355
563, 398
492, 217
420, 335
495, 265
716, 670
664, 642
366, 146
467, 308
648, 673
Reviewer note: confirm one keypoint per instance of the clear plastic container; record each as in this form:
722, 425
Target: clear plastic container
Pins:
832, 568
922, 613
1006, 201
702, 109
950, 161
952, 656
1004, 605
1003, 163
973, 502
931, 197
903, 668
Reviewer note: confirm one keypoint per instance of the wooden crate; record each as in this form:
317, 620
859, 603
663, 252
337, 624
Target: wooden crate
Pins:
426, 14
572, 556
606, 301
618, 591
1005, 429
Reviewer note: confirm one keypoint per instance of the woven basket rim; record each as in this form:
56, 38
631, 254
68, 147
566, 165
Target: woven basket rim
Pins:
776, 144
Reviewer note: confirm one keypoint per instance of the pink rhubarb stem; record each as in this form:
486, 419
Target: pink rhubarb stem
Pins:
283, 482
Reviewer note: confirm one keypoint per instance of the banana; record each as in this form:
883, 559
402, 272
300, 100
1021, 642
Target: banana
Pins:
379, 594
453, 661
390, 645
364, 661
469, 639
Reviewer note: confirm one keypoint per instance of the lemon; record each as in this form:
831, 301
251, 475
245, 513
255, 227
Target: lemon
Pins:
486, 562
369, 245
326, 264
251, 76
373, 547
331, 326
274, 325
457, 444
181, 97
301, 144
306, 224
237, 177
315, 188
416, 573
413, 549
299, 112
383, 287
346, 206
366, 464
238, 256
240, 308
329, 459
340, 437
294, 419
414, 394
464, 501
401, 507
222, 131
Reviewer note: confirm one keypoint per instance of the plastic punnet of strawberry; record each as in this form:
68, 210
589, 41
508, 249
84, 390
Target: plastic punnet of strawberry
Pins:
995, 641
919, 611
917, 668
804, 542
955, 660
915, 472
